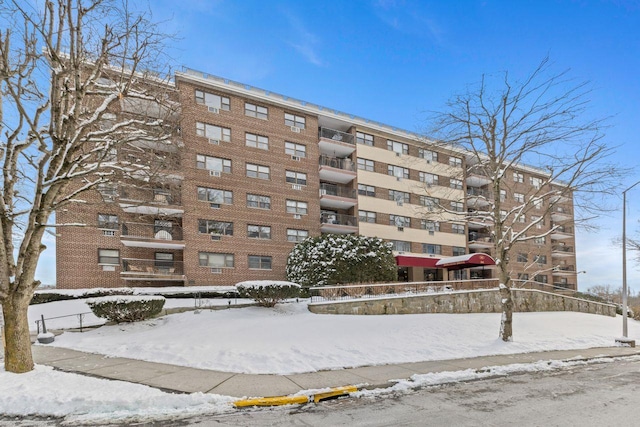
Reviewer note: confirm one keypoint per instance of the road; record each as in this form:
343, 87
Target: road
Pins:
603, 394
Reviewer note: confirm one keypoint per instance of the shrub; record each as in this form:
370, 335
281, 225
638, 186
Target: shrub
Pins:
65, 294
127, 308
268, 293
341, 258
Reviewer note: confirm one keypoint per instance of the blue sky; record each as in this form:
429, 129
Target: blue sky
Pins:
394, 60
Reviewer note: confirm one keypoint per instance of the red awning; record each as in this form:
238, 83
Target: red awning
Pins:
414, 261
465, 261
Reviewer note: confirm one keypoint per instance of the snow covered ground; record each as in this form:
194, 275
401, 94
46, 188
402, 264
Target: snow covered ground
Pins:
284, 339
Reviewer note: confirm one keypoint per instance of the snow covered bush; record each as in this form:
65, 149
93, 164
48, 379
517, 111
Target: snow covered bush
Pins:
268, 293
126, 308
341, 258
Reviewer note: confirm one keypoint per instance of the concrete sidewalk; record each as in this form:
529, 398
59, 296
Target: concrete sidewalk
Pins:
188, 380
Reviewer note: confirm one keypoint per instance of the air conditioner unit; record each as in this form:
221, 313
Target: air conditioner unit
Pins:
215, 205
214, 110
109, 233
108, 268
400, 203
296, 158
323, 192
215, 173
214, 141
431, 232
398, 154
428, 162
295, 129
216, 237
398, 178
400, 228
297, 216
216, 270
296, 186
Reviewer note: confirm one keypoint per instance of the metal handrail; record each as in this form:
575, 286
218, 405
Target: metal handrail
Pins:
337, 190
336, 135
80, 317
337, 162
338, 219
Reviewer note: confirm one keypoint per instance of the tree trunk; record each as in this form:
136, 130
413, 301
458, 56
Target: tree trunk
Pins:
506, 323
17, 352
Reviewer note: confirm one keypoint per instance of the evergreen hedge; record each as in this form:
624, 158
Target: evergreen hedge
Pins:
126, 308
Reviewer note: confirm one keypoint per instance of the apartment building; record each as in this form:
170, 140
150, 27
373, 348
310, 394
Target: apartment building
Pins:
255, 172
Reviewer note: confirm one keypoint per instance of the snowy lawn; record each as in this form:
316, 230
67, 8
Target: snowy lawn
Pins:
289, 339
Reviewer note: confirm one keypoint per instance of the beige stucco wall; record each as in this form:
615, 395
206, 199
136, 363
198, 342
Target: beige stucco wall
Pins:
482, 301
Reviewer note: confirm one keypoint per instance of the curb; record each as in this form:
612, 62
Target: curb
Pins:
333, 393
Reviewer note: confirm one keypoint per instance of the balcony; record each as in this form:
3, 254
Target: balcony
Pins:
338, 223
478, 197
335, 169
480, 240
562, 251
337, 196
561, 232
336, 143
564, 270
152, 270
151, 201
559, 214
161, 235
477, 179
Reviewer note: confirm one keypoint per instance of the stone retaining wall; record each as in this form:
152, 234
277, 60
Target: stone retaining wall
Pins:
480, 301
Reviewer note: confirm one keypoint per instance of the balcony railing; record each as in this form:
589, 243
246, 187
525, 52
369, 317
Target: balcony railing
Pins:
336, 135
479, 192
338, 219
567, 249
563, 229
152, 197
480, 237
338, 163
151, 267
151, 231
337, 190
565, 268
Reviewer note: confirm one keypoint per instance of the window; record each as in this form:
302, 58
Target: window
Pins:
399, 196
108, 191
257, 171
257, 141
259, 262
457, 228
458, 250
256, 111
366, 190
399, 221
522, 257
521, 218
431, 203
215, 260
296, 177
428, 155
503, 214
212, 100
109, 256
293, 120
294, 149
258, 232
260, 202
518, 197
540, 240
537, 203
296, 235
535, 182
397, 147
428, 248
542, 278
523, 276
215, 196
401, 246
540, 259
428, 178
364, 164
366, 216
397, 171
220, 228
213, 163
455, 183
213, 132
457, 206
455, 161
108, 221
364, 138
518, 177
297, 207
537, 220
430, 225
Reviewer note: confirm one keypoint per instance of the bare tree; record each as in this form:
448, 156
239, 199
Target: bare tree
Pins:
74, 90
503, 126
